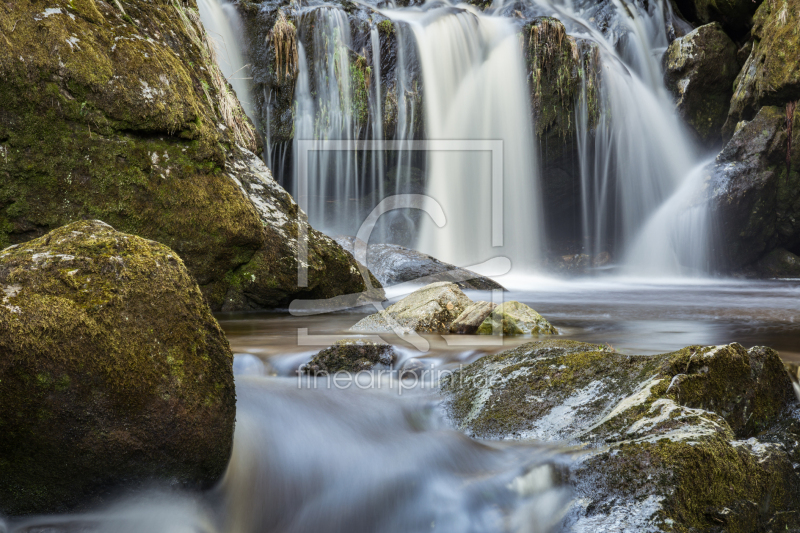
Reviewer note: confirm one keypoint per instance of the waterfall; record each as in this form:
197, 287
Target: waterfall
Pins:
474, 87
465, 69
224, 26
638, 159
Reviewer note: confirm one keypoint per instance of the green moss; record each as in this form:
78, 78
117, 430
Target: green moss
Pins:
132, 374
350, 356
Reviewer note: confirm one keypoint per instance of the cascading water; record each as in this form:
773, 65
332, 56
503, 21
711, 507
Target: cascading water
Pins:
474, 86
638, 156
224, 26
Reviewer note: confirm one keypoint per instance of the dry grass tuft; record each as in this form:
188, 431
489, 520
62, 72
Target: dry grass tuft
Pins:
283, 38
227, 105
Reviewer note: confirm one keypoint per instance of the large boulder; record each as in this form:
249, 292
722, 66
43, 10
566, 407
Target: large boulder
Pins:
392, 264
113, 371
771, 75
125, 116
779, 263
754, 190
432, 308
699, 70
689, 440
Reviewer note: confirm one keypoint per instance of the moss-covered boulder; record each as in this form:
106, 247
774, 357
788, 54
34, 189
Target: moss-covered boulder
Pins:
429, 309
779, 263
515, 318
663, 436
350, 355
113, 371
699, 70
734, 15
771, 75
124, 116
754, 190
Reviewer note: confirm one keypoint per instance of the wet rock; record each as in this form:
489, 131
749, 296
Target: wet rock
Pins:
734, 15
392, 264
754, 195
779, 263
429, 309
413, 369
350, 355
472, 317
157, 148
515, 318
670, 440
700, 69
771, 75
113, 371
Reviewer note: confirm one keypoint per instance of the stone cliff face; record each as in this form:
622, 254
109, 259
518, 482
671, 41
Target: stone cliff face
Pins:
119, 112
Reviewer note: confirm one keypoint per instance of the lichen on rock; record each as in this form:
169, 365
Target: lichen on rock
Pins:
690, 439
350, 355
515, 318
114, 371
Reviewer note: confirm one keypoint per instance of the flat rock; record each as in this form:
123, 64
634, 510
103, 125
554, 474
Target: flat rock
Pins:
392, 264
432, 308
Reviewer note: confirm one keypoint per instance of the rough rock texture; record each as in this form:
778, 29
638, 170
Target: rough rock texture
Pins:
754, 195
350, 356
699, 438
771, 75
113, 370
700, 69
515, 318
429, 309
779, 263
734, 15
392, 264
472, 317
119, 116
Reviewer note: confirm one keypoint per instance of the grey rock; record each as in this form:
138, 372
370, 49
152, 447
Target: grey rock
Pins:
472, 317
429, 309
515, 318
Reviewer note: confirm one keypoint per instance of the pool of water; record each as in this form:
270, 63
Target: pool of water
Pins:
637, 317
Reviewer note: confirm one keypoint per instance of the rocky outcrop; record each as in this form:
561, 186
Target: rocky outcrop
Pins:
700, 69
429, 309
515, 318
124, 116
771, 75
113, 371
697, 438
754, 191
734, 15
350, 355
392, 264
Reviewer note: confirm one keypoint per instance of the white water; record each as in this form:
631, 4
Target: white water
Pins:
224, 26
474, 89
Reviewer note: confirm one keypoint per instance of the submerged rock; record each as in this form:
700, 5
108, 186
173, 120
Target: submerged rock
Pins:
515, 318
771, 75
690, 439
700, 69
392, 264
429, 309
350, 356
113, 371
125, 116
472, 317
